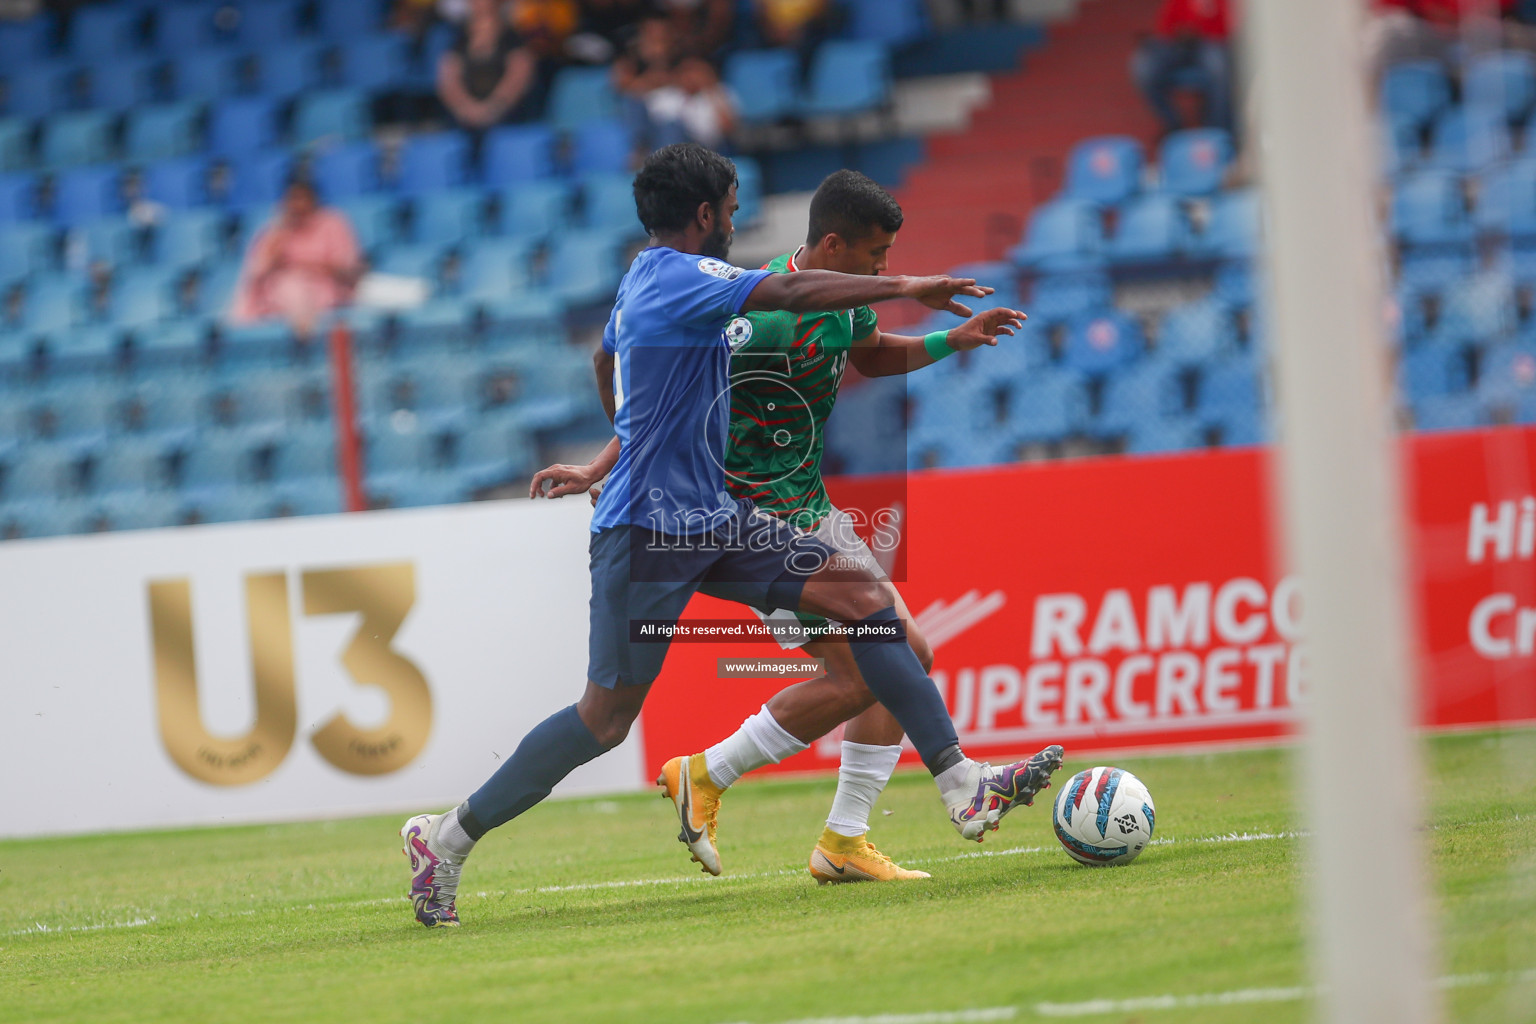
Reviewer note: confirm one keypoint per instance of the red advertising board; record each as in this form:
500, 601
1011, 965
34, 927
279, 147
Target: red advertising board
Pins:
1132, 602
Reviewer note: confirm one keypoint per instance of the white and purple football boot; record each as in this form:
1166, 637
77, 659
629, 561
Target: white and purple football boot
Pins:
434, 871
986, 793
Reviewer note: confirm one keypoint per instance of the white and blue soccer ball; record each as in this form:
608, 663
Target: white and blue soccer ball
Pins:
1104, 816
738, 332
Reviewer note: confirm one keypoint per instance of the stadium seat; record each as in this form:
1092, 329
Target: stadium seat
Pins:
254, 397
170, 404
388, 450
204, 75
1501, 83
1194, 162
1437, 266
492, 454
1506, 200
1414, 93
749, 191
1047, 405
163, 132
1065, 234
433, 161
348, 170
886, 21
137, 510
1055, 297
131, 465
411, 260
259, 181
374, 63
336, 114
180, 183
268, 25
79, 411
40, 472
184, 27
143, 296
579, 95
1149, 227
601, 147
292, 70
26, 248
1480, 308
584, 266
497, 267
1233, 231
84, 137
1102, 342
1468, 140
1429, 208
1229, 390
25, 40
37, 91
1448, 412
124, 83
1433, 369
343, 21
608, 204
1173, 434
519, 153
15, 144
1507, 375
1143, 393
242, 126
1197, 332
536, 210
52, 304
1104, 170
87, 194
847, 77
448, 216
765, 83
97, 33
115, 241
375, 219
221, 459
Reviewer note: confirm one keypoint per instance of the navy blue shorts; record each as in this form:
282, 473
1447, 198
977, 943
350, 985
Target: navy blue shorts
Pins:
641, 576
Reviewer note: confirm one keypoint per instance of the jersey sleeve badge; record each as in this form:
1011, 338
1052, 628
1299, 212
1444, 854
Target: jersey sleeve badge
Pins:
719, 268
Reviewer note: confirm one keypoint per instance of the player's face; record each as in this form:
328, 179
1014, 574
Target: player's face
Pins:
718, 242
868, 255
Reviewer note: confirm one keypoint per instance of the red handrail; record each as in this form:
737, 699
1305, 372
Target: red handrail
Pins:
349, 461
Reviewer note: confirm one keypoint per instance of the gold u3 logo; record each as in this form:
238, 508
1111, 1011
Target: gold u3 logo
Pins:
383, 594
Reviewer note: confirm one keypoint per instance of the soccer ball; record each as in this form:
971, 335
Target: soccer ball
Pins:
738, 332
1104, 816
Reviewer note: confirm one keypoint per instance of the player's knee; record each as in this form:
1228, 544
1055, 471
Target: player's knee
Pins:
855, 600
608, 719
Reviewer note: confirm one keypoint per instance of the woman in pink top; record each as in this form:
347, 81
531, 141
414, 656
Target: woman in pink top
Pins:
302, 264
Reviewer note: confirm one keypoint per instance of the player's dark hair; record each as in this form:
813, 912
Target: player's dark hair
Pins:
673, 182
850, 205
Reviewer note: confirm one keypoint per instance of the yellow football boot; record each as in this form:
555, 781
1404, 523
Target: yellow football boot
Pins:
841, 859
686, 782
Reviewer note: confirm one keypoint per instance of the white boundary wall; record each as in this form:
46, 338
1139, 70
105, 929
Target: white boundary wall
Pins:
497, 628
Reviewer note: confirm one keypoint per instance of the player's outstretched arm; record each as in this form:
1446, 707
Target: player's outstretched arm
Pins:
811, 291
886, 355
563, 480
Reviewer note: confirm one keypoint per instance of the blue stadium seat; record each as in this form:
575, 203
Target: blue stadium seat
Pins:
254, 397
1197, 332
218, 287
26, 248
108, 30
1056, 297
1229, 390
1233, 231
125, 83
80, 410
1173, 434
259, 180
375, 219
114, 240
1433, 369
221, 459
887, 21
495, 268
1507, 375
1150, 227
433, 161
37, 91
171, 403
134, 510
375, 63
84, 137
1413, 93
1501, 83
1106, 169
291, 70
601, 147
184, 28
579, 95
1468, 140
448, 216
90, 348
27, 39
267, 25
163, 132
388, 450
87, 194
335, 114
142, 297
344, 21
1235, 284
15, 144
749, 191
40, 471
1048, 405
180, 183
1064, 234
1480, 308
1437, 266
519, 153
1194, 162
131, 464
847, 77
608, 204
204, 75
491, 454
1102, 342
241, 126
1143, 393
411, 260
766, 83
1448, 412
342, 172
1506, 199
584, 266
18, 198
1429, 208
536, 209
192, 237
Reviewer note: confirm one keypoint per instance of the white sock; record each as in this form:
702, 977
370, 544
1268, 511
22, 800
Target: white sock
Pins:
861, 778
453, 837
957, 783
760, 740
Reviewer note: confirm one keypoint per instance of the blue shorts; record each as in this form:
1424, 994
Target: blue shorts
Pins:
643, 577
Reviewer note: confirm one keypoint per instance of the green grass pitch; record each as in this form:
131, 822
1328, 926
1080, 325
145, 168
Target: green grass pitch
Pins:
589, 910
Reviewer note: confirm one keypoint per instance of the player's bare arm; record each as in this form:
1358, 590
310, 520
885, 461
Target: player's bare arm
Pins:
563, 479
602, 366
811, 291
879, 354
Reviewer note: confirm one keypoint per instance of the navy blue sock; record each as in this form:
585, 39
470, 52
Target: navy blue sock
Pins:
896, 678
551, 751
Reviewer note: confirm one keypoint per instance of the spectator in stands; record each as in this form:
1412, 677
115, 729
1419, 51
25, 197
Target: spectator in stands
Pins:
608, 28
545, 25
302, 264
1399, 30
800, 25
702, 27
695, 107
489, 74
1188, 48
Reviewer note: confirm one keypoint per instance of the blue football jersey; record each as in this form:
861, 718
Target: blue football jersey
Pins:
672, 388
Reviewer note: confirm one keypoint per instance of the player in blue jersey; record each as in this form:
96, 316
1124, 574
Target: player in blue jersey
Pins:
666, 527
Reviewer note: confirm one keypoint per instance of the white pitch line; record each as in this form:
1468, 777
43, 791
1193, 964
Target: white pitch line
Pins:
1012, 851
